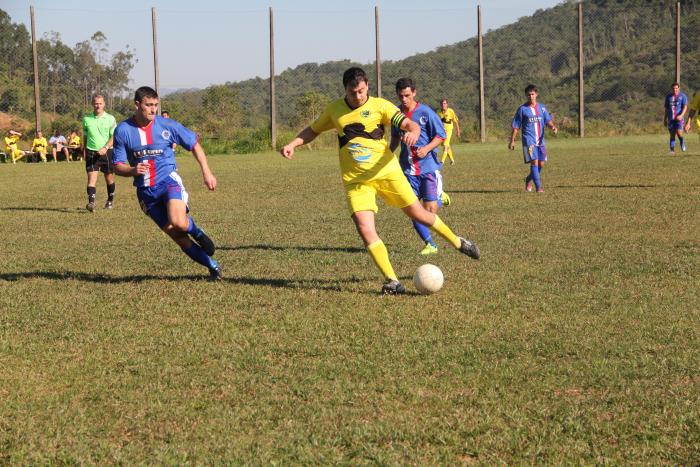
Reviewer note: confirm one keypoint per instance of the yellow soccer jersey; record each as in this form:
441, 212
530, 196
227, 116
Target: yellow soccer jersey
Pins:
695, 105
448, 117
39, 144
74, 141
11, 142
364, 152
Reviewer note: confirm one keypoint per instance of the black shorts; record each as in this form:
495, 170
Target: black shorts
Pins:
95, 162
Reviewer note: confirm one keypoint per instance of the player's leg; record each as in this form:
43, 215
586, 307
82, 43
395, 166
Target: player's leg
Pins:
680, 134
672, 139
67, 154
448, 146
91, 182
177, 227
541, 157
16, 154
42, 155
109, 180
428, 195
417, 212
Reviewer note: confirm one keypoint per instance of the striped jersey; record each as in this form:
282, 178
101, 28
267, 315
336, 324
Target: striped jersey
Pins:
531, 122
674, 105
430, 127
152, 144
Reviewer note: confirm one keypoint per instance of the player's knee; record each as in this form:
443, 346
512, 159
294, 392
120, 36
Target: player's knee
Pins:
180, 225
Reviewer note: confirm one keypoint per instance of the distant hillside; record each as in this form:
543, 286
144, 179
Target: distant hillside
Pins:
629, 66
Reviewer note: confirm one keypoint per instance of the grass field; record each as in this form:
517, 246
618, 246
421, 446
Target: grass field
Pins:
575, 339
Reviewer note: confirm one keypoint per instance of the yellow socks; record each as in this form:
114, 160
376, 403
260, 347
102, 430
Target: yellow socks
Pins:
445, 232
380, 256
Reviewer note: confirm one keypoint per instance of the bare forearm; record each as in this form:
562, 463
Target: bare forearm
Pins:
124, 170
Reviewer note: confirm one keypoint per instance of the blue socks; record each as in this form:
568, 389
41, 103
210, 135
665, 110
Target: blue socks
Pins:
192, 229
198, 255
672, 143
535, 175
423, 232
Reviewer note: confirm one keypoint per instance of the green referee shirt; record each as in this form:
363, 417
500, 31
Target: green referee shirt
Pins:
98, 130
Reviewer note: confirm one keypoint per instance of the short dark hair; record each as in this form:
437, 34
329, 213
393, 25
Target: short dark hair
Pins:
530, 88
164, 112
143, 92
354, 76
676, 84
404, 83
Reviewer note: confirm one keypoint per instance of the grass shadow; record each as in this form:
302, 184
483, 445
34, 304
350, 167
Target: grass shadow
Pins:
65, 210
310, 284
607, 186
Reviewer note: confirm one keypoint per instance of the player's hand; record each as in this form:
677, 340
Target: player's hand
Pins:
210, 181
421, 152
511, 145
287, 151
142, 168
687, 127
411, 137
555, 130
102, 151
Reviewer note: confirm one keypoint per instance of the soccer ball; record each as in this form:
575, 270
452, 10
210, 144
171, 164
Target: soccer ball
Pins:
428, 279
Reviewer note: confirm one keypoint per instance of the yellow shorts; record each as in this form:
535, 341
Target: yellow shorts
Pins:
393, 188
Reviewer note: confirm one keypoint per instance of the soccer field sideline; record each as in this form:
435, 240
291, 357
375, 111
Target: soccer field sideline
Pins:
574, 339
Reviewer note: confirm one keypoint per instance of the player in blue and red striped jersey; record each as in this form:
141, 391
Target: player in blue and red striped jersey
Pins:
420, 162
675, 106
143, 150
531, 118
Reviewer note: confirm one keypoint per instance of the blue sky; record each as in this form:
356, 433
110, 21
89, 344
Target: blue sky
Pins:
215, 41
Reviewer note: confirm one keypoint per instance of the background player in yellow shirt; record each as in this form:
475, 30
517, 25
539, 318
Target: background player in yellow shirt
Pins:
370, 168
11, 148
449, 121
694, 112
39, 145
74, 146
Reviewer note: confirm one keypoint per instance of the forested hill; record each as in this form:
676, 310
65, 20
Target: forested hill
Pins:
629, 49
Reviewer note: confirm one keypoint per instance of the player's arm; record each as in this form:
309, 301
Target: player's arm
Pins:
553, 127
209, 178
305, 136
690, 119
459, 130
683, 110
435, 142
513, 133
411, 130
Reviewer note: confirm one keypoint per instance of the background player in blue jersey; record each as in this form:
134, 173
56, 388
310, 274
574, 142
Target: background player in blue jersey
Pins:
420, 162
675, 106
143, 150
531, 118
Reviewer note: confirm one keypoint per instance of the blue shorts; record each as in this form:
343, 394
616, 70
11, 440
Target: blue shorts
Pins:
534, 153
154, 199
426, 186
676, 125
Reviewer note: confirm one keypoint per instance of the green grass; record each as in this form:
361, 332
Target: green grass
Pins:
575, 339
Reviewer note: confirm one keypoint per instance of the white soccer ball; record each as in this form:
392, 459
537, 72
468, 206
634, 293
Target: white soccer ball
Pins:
428, 279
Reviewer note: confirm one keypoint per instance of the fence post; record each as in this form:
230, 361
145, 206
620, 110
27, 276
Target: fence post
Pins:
678, 42
273, 103
482, 114
156, 69
581, 123
37, 94
377, 48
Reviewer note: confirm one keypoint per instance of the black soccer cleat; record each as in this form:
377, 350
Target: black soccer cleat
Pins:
205, 242
90, 206
468, 248
109, 205
215, 274
393, 287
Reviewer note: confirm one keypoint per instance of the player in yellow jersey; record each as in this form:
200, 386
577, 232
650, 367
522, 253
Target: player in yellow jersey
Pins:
450, 122
74, 146
39, 145
694, 112
13, 151
369, 168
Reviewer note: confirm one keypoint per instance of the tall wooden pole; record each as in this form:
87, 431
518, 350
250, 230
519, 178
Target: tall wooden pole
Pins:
482, 113
273, 103
37, 94
156, 69
581, 123
678, 42
377, 49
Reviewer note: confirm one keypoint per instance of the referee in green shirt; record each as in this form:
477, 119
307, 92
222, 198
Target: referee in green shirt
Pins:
98, 131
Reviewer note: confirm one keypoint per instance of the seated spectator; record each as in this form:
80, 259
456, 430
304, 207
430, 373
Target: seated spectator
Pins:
75, 145
39, 145
58, 144
13, 151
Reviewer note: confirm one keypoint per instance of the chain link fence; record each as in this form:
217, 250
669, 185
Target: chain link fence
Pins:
629, 63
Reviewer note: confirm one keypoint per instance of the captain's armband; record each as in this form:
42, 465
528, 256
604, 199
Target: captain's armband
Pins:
397, 119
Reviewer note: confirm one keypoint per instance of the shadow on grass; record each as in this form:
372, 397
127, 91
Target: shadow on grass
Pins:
606, 186
310, 284
297, 248
66, 210
480, 191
